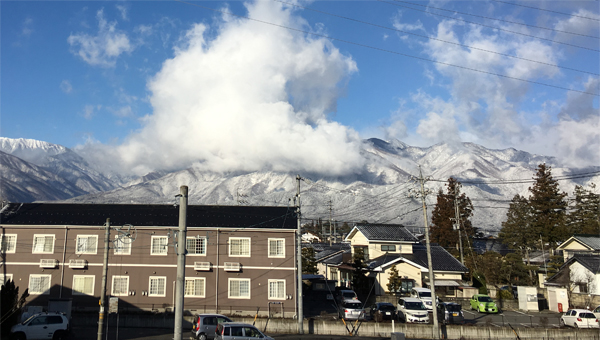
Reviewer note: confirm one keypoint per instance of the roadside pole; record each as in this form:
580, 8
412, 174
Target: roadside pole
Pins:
299, 260
181, 251
102, 313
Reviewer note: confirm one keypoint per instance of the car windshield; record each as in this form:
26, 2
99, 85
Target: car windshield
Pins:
453, 308
349, 295
353, 305
386, 307
415, 305
425, 294
484, 299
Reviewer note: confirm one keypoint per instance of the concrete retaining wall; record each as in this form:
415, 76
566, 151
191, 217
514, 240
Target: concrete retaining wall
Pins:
337, 327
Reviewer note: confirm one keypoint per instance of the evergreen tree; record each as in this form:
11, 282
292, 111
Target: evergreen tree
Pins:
548, 208
309, 264
395, 281
443, 216
585, 216
360, 282
491, 265
10, 305
516, 231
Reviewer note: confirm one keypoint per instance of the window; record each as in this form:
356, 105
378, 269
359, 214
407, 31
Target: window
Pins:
87, 244
277, 289
83, 284
39, 284
195, 287
157, 286
159, 245
334, 274
583, 287
122, 245
120, 285
391, 248
276, 247
5, 277
196, 245
239, 246
239, 289
43, 244
8, 243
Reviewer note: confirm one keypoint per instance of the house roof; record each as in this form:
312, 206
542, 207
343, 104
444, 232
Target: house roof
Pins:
590, 241
485, 244
160, 215
440, 259
589, 261
384, 232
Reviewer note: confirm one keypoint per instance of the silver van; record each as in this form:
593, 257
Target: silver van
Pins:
239, 331
351, 309
205, 325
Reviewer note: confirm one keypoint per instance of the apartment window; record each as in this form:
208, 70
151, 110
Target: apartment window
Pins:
8, 243
122, 245
276, 247
239, 289
159, 245
195, 287
277, 289
120, 285
83, 284
158, 286
5, 277
39, 284
239, 246
196, 245
391, 248
43, 244
87, 244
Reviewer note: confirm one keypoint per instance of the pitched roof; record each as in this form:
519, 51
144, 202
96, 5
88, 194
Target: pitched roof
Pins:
440, 259
160, 215
592, 241
385, 232
589, 261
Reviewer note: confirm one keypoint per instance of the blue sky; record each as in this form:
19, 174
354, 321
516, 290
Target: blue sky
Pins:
166, 84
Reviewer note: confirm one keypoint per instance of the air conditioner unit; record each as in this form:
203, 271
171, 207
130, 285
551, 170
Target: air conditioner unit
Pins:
48, 263
77, 263
202, 266
232, 266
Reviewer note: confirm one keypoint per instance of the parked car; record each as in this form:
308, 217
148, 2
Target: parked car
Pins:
52, 325
351, 309
346, 294
579, 318
423, 294
450, 313
483, 304
382, 311
239, 331
205, 325
412, 310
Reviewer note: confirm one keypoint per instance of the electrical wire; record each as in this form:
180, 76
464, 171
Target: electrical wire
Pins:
546, 10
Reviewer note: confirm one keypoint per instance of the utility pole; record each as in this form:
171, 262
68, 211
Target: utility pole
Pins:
181, 242
422, 194
102, 313
330, 224
299, 259
457, 223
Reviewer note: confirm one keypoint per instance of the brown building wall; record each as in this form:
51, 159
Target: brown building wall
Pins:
140, 265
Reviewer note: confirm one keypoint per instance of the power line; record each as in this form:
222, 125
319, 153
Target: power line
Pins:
437, 39
389, 51
523, 181
547, 10
496, 19
489, 26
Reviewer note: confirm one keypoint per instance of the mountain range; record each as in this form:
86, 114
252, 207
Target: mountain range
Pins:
386, 191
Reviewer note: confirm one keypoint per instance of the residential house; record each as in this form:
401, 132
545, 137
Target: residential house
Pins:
579, 274
238, 258
581, 243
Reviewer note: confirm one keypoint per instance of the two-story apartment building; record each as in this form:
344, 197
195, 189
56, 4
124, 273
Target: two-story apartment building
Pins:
238, 258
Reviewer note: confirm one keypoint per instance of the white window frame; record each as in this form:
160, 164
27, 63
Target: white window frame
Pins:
277, 255
36, 236
6, 246
241, 254
5, 277
164, 286
120, 247
166, 245
195, 293
197, 239
114, 292
84, 277
90, 251
276, 283
36, 276
238, 294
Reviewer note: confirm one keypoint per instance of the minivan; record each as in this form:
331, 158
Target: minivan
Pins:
205, 325
423, 294
239, 331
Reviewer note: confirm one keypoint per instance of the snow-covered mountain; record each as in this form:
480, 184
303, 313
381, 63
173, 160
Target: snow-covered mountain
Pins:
380, 193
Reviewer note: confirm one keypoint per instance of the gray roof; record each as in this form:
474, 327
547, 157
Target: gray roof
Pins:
589, 261
592, 241
440, 259
386, 232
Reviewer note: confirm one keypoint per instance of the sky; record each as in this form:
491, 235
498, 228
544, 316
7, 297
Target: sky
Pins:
286, 85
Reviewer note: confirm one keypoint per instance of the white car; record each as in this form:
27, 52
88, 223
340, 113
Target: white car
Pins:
579, 318
412, 310
423, 294
51, 325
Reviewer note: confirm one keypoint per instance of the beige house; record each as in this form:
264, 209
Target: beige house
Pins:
580, 244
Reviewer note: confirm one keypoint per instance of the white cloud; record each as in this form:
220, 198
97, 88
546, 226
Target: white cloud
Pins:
123, 10
66, 86
104, 48
27, 28
253, 97
89, 111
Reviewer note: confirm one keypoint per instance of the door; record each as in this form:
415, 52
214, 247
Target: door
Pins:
38, 328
